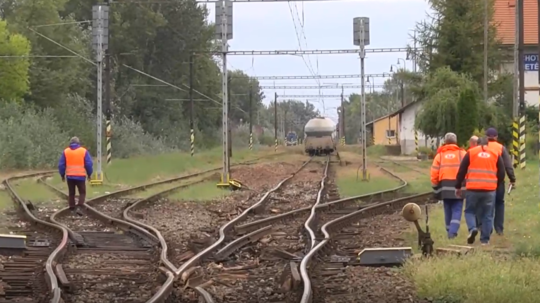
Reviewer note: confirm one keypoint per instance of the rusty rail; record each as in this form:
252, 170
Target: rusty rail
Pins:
331, 227
55, 291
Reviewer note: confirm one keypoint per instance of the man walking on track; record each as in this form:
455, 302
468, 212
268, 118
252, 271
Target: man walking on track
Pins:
443, 179
482, 169
75, 165
498, 222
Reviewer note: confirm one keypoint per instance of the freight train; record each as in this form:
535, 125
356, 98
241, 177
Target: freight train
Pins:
319, 136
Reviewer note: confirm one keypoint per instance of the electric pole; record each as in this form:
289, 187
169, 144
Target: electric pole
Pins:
108, 110
342, 120
229, 132
224, 13
486, 29
522, 156
275, 122
361, 39
191, 105
250, 117
100, 42
515, 95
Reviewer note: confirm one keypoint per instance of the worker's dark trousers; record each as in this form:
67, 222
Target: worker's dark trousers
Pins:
498, 221
79, 185
452, 216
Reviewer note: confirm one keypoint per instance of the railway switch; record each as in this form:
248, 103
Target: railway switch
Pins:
412, 213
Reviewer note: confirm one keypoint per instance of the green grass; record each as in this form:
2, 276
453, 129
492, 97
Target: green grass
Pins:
348, 186
125, 173
204, 191
484, 276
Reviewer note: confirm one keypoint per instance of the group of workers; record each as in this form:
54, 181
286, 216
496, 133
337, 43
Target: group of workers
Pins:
476, 176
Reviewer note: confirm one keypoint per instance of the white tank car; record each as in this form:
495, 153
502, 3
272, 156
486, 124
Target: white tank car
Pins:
318, 132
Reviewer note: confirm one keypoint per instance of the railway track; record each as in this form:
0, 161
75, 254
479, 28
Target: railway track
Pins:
27, 273
96, 242
191, 247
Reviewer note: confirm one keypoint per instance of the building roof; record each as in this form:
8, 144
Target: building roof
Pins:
397, 112
505, 17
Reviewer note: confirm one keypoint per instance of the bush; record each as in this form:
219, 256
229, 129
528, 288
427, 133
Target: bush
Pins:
29, 138
130, 139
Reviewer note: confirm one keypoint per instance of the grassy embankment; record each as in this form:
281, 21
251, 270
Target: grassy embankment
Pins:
349, 178
125, 173
505, 271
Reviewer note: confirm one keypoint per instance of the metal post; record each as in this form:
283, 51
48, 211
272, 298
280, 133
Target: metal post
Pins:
515, 97
486, 29
191, 106
108, 110
414, 56
416, 145
342, 120
538, 142
522, 145
224, 90
229, 131
275, 122
363, 93
99, 112
250, 117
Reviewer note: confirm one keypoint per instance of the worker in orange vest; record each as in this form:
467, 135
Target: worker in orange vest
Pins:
75, 165
498, 221
482, 169
443, 178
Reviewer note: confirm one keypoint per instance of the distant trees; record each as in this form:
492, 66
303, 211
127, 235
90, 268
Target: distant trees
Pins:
452, 62
13, 71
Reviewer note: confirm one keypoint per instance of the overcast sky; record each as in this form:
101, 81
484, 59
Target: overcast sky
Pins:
320, 25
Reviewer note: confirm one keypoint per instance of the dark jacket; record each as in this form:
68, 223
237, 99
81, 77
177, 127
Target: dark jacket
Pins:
507, 161
464, 167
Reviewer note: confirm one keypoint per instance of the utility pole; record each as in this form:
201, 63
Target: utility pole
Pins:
515, 97
229, 132
342, 120
100, 42
486, 29
538, 61
191, 105
275, 122
522, 145
224, 13
361, 39
250, 117
108, 110
414, 54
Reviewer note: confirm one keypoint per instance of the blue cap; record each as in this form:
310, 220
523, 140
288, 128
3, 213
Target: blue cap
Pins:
491, 132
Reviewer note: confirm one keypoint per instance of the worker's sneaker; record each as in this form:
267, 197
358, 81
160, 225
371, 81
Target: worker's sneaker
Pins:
500, 233
484, 243
79, 210
472, 236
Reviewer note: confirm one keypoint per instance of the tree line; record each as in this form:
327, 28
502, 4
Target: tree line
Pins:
48, 81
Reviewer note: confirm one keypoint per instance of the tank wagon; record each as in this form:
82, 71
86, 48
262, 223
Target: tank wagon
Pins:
319, 136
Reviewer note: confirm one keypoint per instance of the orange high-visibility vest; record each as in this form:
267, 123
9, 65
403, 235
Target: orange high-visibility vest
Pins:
496, 146
75, 161
482, 173
444, 171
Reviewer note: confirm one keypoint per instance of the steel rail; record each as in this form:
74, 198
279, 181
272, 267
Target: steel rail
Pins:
313, 209
165, 290
227, 227
56, 292
337, 223
337, 204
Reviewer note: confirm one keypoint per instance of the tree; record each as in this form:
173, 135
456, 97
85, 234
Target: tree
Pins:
442, 90
467, 115
13, 71
453, 36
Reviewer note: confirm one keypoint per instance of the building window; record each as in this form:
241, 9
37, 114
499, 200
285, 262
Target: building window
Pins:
390, 133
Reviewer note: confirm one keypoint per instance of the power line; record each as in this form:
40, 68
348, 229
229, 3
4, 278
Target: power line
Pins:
309, 96
383, 75
317, 86
309, 52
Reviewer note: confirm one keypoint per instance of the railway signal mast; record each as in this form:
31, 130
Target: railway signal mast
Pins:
361, 39
100, 42
224, 32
